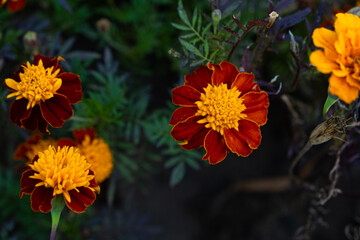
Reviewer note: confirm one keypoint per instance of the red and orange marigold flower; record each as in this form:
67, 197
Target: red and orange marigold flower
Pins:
13, 5
340, 56
56, 171
221, 109
44, 94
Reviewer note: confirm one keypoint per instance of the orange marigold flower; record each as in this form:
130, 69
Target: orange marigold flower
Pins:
32, 146
221, 109
96, 151
340, 56
59, 171
44, 94
14, 5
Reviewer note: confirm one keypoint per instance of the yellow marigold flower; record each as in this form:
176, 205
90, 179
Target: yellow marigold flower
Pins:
61, 170
340, 56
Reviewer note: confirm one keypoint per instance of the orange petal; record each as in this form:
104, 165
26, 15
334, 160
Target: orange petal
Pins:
66, 142
339, 87
257, 104
352, 82
244, 82
80, 200
225, 72
199, 79
41, 199
216, 149
79, 135
236, 143
184, 131
345, 21
325, 38
182, 113
185, 96
322, 63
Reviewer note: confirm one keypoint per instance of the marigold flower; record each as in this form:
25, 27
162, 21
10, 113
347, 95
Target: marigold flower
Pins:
61, 170
32, 146
221, 109
96, 151
14, 5
340, 56
44, 94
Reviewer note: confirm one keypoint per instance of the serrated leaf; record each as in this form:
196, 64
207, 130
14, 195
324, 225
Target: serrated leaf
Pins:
190, 47
177, 174
206, 29
182, 14
194, 18
330, 100
180, 27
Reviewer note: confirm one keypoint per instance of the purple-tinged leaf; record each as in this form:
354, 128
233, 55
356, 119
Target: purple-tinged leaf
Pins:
292, 19
247, 59
318, 15
232, 32
255, 23
65, 5
282, 4
241, 26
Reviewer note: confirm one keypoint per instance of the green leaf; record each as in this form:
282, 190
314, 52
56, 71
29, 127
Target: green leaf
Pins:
190, 47
173, 161
177, 174
206, 48
194, 18
330, 100
182, 13
180, 27
194, 164
190, 35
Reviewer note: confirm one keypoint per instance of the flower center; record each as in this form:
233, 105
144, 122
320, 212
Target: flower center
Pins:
99, 155
36, 84
221, 108
40, 146
62, 169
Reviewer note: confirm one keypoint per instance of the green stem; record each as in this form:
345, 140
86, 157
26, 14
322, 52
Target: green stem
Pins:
58, 205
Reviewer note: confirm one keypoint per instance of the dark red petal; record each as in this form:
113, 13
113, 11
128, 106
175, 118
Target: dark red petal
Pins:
197, 140
41, 199
56, 110
244, 82
216, 149
181, 114
27, 184
48, 62
71, 87
185, 96
249, 134
225, 72
199, 79
80, 200
35, 121
66, 142
19, 112
14, 6
79, 135
184, 131
257, 104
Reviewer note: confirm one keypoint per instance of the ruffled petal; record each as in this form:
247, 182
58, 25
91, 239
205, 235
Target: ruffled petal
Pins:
27, 184
196, 141
22, 149
216, 149
41, 199
345, 21
80, 134
35, 121
339, 87
256, 104
325, 38
185, 96
48, 62
236, 143
71, 87
56, 110
14, 6
249, 132
181, 114
80, 200
183, 131
244, 82
322, 63
225, 72
19, 112
199, 79
352, 82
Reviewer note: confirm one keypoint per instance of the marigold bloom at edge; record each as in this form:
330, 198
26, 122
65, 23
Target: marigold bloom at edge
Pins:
13, 5
61, 170
44, 94
221, 109
340, 56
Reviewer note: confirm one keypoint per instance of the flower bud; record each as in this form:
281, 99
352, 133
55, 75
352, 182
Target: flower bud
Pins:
272, 17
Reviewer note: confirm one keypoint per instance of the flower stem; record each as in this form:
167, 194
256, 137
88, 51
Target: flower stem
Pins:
58, 205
